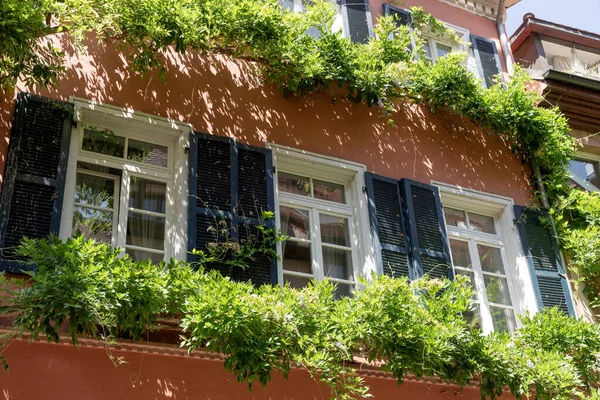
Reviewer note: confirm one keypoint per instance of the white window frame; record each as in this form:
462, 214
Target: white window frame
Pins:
586, 157
330, 169
516, 267
141, 126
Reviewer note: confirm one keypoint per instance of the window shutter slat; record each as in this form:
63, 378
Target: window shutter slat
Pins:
358, 15
544, 259
428, 241
403, 17
33, 190
387, 225
230, 185
488, 61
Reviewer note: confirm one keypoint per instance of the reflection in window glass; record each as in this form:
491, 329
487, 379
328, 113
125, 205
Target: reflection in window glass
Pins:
455, 217
482, 223
147, 153
297, 257
103, 142
334, 230
329, 191
296, 282
503, 319
95, 191
337, 263
442, 49
497, 289
93, 224
586, 170
294, 184
491, 259
294, 223
144, 255
460, 253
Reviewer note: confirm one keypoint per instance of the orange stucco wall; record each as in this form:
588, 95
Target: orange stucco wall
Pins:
61, 371
221, 96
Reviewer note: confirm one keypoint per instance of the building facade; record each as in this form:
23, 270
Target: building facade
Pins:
154, 162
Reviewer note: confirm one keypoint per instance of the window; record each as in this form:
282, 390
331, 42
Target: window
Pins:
320, 211
121, 185
435, 49
478, 252
585, 174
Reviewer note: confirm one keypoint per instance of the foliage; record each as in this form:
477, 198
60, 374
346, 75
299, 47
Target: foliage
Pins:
84, 288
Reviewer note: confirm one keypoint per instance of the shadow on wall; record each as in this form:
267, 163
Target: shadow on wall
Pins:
222, 96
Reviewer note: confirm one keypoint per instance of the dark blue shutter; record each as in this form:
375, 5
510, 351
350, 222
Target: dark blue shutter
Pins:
230, 185
34, 181
402, 17
358, 14
488, 61
427, 237
387, 225
543, 256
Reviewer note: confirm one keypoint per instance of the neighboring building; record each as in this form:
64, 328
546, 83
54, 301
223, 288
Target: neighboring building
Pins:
565, 62
347, 188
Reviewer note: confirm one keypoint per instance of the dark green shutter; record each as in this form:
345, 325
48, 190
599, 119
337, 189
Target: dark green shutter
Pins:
230, 185
387, 225
34, 181
427, 237
488, 61
544, 259
358, 15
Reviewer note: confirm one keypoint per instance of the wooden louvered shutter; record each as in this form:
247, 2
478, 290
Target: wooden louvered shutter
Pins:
34, 181
544, 259
387, 225
359, 20
230, 185
488, 61
402, 17
428, 241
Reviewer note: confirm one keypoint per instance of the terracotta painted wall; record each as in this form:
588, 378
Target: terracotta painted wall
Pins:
222, 97
61, 371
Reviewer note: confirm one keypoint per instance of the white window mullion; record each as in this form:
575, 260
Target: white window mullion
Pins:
484, 311
318, 266
123, 209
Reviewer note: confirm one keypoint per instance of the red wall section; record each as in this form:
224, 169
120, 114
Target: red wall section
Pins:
61, 371
223, 97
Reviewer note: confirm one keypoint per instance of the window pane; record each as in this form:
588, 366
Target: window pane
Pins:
147, 153
442, 49
427, 49
329, 191
93, 224
334, 230
287, 5
294, 184
482, 223
94, 190
472, 316
103, 142
503, 319
147, 195
497, 289
145, 231
491, 259
471, 276
455, 217
144, 255
460, 254
294, 222
342, 290
338, 263
297, 257
297, 282
585, 170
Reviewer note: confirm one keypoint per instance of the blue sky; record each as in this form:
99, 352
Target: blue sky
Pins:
582, 14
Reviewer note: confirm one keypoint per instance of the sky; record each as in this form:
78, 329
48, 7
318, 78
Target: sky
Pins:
582, 14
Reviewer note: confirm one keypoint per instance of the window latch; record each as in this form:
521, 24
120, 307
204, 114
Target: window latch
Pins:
186, 149
364, 189
274, 169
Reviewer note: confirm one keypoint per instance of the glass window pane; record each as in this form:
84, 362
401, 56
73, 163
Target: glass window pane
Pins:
585, 170
329, 191
342, 290
297, 282
442, 49
427, 49
103, 142
147, 153
503, 319
145, 231
491, 259
93, 224
472, 316
297, 257
471, 276
287, 5
460, 254
147, 195
295, 223
455, 217
334, 230
94, 190
338, 263
144, 255
482, 223
294, 184
497, 289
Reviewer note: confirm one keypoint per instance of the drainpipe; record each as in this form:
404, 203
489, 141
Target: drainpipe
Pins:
541, 187
503, 39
